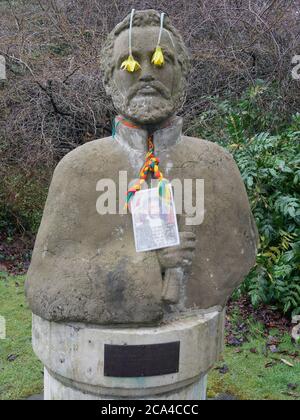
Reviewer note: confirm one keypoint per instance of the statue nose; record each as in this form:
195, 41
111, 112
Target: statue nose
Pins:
147, 77
146, 74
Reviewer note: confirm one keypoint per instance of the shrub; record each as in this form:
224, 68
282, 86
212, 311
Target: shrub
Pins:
270, 167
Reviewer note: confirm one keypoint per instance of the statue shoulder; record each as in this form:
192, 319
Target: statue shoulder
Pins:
208, 151
94, 154
206, 145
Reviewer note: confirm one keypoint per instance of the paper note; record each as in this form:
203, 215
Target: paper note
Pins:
154, 220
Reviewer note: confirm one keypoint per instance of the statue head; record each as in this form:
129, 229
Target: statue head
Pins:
151, 94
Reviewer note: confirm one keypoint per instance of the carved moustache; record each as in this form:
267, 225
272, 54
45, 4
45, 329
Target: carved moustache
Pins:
155, 85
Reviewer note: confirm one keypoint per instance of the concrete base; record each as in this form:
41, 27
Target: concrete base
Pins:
56, 390
73, 356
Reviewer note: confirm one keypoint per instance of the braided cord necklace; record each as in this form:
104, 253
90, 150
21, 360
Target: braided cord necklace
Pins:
150, 167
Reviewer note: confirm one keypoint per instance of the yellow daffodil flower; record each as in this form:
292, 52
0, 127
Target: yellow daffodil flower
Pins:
130, 64
158, 57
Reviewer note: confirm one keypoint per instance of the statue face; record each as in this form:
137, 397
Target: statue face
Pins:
152, 94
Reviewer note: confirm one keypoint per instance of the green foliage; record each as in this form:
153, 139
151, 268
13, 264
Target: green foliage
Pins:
270, 166
234, 120
22, 198
62, 49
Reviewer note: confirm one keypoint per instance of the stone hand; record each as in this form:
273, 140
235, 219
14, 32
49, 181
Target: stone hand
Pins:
181, 255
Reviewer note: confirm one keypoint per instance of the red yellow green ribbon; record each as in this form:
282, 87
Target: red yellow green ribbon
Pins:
150, 167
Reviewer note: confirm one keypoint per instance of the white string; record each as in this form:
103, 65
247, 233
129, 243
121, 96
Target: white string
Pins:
130, 31
161, 27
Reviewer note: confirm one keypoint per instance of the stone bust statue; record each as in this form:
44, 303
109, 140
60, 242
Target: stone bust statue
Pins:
85, 267
154, 107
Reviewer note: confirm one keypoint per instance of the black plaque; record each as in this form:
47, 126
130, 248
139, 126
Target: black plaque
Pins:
138, 361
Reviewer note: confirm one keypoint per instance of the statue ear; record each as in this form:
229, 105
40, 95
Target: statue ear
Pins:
107, 88
107, 84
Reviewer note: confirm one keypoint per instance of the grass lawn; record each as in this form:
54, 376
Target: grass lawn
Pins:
22, 376
249, 371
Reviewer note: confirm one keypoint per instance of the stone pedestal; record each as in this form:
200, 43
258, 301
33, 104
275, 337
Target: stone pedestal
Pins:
80, 360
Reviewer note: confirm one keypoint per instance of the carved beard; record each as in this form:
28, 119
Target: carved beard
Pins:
147, 109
